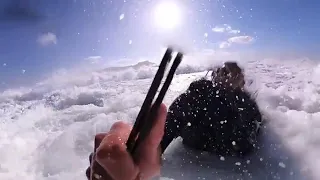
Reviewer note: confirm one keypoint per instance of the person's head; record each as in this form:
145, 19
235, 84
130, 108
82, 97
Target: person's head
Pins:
230, 74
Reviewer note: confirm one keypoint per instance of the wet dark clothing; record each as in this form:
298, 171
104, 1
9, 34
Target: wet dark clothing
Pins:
211, 118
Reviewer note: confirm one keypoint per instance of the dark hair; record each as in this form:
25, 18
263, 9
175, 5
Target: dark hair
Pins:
232, 67
230, 72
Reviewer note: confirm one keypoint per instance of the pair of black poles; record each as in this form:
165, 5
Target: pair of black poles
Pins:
147, 114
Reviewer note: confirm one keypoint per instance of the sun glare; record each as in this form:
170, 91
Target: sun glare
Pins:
167, 15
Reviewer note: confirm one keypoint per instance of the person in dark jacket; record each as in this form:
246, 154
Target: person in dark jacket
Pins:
216, 116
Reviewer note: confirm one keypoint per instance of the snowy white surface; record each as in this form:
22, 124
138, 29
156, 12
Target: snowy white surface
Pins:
47, 131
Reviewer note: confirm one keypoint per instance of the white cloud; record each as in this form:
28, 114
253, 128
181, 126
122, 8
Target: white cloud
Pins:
225, 28
236, 40
224, 44
234, 31
218, 29
241, 39
47, 39
94, 59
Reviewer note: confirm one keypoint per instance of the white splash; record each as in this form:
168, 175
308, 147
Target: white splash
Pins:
47, 131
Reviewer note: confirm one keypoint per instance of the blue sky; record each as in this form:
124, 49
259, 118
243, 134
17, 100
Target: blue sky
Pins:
69, 31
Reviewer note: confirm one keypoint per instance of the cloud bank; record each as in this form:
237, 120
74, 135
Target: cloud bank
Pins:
47, 39
225, 29
236, 40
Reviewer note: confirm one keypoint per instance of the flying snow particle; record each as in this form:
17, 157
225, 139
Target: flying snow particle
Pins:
23, 71
223, 122
281, 164
4, 64
121, 16
238, 163
233, 143
188, 124
222, 158
130, 41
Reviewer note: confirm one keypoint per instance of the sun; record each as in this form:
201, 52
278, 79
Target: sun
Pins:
167, 15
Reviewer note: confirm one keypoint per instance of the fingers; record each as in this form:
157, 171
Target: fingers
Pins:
97, 140
149, 153
112, 154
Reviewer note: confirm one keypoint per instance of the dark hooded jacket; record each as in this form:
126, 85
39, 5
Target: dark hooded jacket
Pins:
212, 118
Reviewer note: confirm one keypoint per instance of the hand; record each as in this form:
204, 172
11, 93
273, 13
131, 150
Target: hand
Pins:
113, 156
